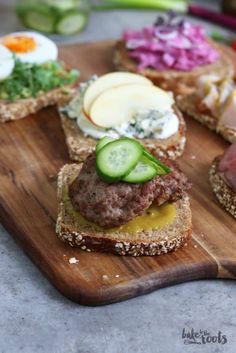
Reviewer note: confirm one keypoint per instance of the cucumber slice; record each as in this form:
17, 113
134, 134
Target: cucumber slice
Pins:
116, 159
145, 170
102, 142
62, 5
39, 20
161, 168
71, 23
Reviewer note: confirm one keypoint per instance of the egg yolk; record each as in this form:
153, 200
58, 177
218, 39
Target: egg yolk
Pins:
19, 44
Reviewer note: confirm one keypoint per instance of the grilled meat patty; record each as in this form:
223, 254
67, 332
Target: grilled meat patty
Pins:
110, 205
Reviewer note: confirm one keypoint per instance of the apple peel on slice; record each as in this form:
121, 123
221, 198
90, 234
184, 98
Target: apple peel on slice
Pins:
119, 104
108, 81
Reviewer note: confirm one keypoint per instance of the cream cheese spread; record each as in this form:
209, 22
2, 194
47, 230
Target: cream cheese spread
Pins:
148, 123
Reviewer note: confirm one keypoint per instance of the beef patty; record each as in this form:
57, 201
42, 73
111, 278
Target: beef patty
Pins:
110, 205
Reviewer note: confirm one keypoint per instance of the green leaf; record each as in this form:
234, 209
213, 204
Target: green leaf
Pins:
29, 80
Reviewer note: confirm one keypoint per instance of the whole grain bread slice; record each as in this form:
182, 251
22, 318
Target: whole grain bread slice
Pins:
24, 107
80, 146
189, 105
225, 194
178, 82
90, 237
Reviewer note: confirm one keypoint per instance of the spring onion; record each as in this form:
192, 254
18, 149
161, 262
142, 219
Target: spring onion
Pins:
175, 5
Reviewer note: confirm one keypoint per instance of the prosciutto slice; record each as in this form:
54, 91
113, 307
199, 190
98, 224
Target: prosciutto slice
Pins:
227, 166
228, 117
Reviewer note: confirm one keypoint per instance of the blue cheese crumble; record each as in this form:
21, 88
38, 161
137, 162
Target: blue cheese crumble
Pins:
157, 124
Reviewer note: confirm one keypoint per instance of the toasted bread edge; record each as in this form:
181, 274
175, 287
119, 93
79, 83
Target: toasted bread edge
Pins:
24, 107
179, 231
179, 82
80, 146
225, 195
188, 106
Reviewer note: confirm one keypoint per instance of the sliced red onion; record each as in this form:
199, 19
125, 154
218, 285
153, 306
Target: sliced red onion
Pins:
170, 44
166, 35
181, 43
168, 59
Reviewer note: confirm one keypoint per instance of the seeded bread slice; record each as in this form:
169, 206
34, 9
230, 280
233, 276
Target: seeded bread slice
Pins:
90, 237
24, 107
178, 81
80, 146
188, 105
225, 194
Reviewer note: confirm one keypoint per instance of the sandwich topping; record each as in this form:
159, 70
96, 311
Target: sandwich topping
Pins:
114, 200
29, 66
218, 97
127, 160
170, 44
227, 166
128, 108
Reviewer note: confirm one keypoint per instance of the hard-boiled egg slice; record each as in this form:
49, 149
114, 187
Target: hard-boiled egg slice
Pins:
31, 47
6, 62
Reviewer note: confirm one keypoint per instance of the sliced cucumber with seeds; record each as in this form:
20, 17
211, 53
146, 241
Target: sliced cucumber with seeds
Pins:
145, 170
116, 159
162, 169
39, 20
102, 142
71, 23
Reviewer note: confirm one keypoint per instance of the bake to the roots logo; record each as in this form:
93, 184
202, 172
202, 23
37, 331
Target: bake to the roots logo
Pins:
203, 337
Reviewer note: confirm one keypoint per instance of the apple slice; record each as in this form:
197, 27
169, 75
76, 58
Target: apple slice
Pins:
107, 81
121, 103
88, 117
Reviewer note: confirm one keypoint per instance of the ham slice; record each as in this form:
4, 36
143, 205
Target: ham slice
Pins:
218, 98
228, 116
227, 166
211, 98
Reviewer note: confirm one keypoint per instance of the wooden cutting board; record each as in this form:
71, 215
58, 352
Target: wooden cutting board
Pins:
32, 152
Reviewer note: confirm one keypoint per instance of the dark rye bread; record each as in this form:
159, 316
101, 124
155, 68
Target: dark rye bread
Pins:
90, 237
178, 82
80, 146
225, 194
189, 105
24, 107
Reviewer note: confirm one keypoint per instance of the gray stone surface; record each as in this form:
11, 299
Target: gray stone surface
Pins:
34, 317
102, 24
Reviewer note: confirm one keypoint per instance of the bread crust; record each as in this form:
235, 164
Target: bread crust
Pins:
24, 107
178, 82
80, 146
188, 105
92, 238
225, 195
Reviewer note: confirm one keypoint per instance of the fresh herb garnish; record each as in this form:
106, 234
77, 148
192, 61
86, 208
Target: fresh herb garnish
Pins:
29, 80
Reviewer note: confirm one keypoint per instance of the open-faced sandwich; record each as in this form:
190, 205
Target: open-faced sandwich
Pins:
123, 104
213, 104
123, 200
223, 179
173, 53
31, 77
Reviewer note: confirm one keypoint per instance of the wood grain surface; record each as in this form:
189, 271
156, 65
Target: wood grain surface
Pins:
32, 152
